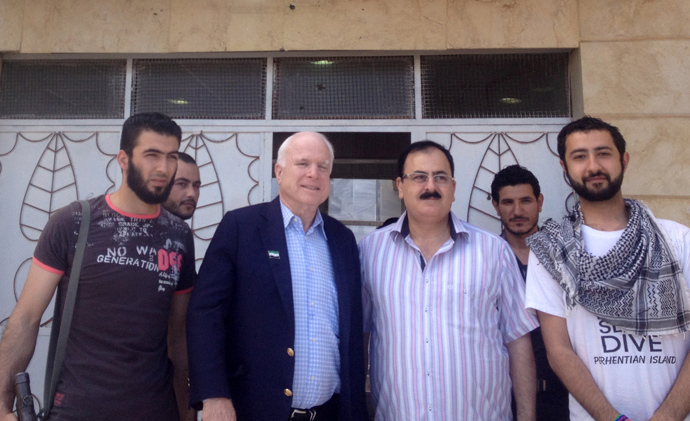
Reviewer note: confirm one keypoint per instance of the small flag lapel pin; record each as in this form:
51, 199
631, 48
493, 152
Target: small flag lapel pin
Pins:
272, 254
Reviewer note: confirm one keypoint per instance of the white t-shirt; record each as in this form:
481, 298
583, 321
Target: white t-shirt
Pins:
635, 373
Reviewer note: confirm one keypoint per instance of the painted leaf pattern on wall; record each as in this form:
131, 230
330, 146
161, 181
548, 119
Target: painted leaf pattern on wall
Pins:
52, 186
252, 167
497, 155
210, 205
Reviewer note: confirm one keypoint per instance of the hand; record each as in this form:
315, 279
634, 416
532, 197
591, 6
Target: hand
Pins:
216, 409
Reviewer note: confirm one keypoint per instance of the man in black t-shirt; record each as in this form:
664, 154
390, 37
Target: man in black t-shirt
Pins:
126, 346
518, 200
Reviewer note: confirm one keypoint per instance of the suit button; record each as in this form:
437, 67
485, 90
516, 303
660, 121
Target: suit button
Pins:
287, 392
290, 352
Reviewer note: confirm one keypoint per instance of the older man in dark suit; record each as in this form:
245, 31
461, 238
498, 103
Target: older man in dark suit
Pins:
275, 321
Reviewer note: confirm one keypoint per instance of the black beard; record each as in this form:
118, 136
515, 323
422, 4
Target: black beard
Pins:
505, 227
137, 184
598, 196
175, 210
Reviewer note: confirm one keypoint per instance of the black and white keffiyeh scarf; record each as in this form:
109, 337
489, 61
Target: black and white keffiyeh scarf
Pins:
637, 286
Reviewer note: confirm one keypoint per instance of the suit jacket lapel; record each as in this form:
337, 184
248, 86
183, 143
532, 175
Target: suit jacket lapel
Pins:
273, 238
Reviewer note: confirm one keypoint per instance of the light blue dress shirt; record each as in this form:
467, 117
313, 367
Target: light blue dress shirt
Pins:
315, 298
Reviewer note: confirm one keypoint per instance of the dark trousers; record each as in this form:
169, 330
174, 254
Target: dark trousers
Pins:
551, 405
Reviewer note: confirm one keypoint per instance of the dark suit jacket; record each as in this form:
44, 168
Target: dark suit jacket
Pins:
240, 322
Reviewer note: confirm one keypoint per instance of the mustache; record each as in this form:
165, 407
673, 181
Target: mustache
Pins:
598, 174
519, 218
430, 195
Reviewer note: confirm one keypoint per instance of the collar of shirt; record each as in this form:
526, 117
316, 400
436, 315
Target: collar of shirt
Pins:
402, 227
288, 217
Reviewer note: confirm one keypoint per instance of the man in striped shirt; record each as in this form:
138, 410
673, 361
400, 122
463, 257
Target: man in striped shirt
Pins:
444, 302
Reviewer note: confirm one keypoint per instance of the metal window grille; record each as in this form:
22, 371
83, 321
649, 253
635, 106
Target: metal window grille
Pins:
495, 86
343, 88
201, 88
62, 89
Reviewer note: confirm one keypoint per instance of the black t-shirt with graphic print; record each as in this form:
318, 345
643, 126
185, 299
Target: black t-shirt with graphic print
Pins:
116, 365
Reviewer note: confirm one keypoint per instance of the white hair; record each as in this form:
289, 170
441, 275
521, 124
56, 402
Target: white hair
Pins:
281, 151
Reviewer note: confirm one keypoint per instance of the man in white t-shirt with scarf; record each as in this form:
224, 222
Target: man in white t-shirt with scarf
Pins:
610, 284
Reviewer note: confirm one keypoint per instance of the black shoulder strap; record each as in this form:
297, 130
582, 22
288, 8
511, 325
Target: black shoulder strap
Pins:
58, 339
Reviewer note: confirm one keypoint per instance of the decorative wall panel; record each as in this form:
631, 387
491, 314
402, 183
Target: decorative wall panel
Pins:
479, 156
42, 171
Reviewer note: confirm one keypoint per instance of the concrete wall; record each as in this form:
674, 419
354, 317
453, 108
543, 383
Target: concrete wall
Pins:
164, 26
629, 56
634, 58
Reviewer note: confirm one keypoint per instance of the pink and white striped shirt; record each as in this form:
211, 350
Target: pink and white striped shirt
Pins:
438, 334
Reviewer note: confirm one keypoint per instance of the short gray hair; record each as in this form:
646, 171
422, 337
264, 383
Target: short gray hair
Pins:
281, 151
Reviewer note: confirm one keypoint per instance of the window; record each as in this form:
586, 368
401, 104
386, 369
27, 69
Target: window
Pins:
460, 86
62, 89
344, 88
201, 89
495, 86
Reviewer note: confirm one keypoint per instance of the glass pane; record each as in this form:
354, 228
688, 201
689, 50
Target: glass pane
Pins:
364, 200
495, 86
201, 89
343, 88
67, 89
